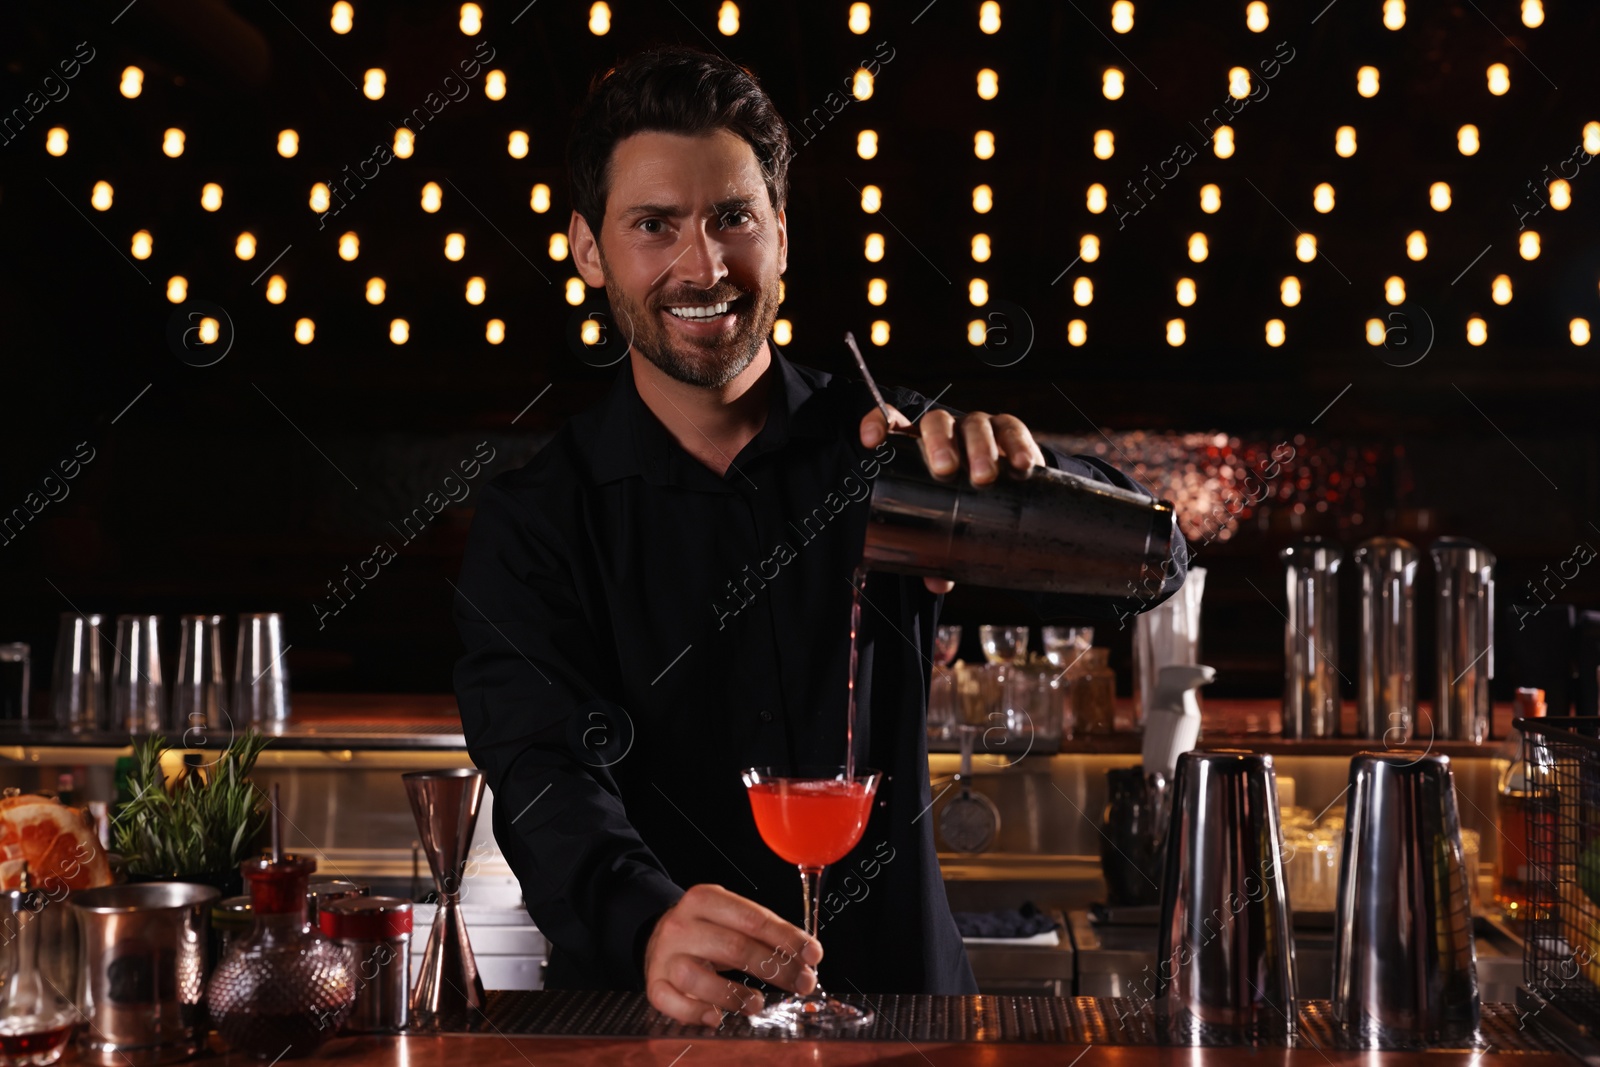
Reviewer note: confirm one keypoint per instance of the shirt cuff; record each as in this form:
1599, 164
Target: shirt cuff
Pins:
631, 917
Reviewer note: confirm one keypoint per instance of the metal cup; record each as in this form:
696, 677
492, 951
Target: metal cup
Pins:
1465, 639
78, 686
260, 677
142, 971
1224, 957
446, 805
1047, 530
138, 692
1404, 963
199, 693
1386, 687
1311, 699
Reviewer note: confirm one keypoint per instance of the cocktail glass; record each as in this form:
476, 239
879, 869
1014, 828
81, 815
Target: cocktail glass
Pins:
811, 819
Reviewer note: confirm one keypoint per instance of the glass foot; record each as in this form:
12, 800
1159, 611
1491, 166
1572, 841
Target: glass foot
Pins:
816, 1012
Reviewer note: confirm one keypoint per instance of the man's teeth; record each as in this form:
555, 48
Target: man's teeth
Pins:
701, 311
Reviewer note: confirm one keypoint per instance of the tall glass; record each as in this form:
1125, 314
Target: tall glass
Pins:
811, 818
942, 684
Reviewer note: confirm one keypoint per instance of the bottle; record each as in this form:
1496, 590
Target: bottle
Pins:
1523, 790
35, 1020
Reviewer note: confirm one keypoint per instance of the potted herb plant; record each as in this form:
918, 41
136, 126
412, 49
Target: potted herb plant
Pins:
197, 826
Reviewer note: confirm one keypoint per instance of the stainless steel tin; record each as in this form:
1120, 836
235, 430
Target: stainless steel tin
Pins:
1046, 531
1224, 957
1404, 965
260, 676
1386, 688
79, 695
1311, 696
1464, 639
382, 962
200, 690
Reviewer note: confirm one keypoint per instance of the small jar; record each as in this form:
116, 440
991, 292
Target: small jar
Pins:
1094, 690
377, 932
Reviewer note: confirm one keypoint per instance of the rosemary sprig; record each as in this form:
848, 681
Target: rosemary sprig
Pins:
203, 823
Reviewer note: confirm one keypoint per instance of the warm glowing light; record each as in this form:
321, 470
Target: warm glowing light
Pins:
1198, 247
1394, 291
983, 144
1578, 330
874, 247
1111, 84
539, 199
1344, 141
245, 246
277, 289
517, 144
211, 196
1175, 334
432, 197
558, 246
132, 82
980, 248
1122, 16
860, 18
1499, 76
476, 290
879, 332
1238, 82
1394, 17
1560, 194
977, 332
319, 198
1089, 248
177, 289
1222, 142
55, 142
471, 19
1186, 292
376, 290
1322, 198
1305, 248
399, 331
1375, 332
782, 331
1274, 332
1500, 289
978, 292
172, 143
989, 17
455, 246
1210, 199
1255, 16
600, 19
1439, 196
373, 83
982, 199
872, 198
1077, 333
988, 84
1467, 139
142, 244
877, 291
1104, 144
1367, 81
1416, 246
494, 85
1082, 292
589, 331
342, 19
861, 84
304, 331
405, 142
494, 331
1591, 138
1289, 291
349, 246
783, 290
1095, 199
728, 18
1532, 14
101, 197
575, 291
1528, 245
867, 144
1477, 331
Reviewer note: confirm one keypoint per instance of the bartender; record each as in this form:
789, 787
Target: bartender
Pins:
660, 598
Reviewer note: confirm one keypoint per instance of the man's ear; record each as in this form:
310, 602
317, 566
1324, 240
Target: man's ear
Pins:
585, 252
783, 242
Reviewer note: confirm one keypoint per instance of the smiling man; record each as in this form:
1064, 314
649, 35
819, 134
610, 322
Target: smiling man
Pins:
660, 598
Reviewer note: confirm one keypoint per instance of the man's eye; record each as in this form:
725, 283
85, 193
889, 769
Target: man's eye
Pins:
648, 223
736, 218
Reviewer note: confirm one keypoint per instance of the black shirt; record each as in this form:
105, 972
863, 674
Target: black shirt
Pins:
639, 630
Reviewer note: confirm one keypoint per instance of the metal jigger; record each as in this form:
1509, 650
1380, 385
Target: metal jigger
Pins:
446, 806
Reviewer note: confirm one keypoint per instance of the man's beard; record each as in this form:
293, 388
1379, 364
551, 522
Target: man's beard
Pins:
707, 363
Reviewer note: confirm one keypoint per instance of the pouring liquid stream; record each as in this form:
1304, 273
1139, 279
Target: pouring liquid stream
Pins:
857, 581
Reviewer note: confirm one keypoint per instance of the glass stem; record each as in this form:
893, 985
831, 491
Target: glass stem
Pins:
811, 886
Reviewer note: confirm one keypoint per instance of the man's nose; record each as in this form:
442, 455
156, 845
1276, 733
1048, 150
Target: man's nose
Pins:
700, 264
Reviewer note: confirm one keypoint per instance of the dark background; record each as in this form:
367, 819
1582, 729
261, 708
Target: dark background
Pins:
251, 483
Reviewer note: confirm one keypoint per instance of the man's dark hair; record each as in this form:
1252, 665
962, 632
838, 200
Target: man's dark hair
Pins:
672, 89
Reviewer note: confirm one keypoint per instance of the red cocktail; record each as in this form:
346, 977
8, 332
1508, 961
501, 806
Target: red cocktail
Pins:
811, 820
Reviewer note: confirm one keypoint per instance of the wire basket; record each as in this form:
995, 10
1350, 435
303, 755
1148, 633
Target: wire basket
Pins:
1560, 807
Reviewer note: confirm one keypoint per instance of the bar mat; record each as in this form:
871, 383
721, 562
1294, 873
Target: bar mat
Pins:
942, 1019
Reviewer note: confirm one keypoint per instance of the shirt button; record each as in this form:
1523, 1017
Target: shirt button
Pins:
766, 716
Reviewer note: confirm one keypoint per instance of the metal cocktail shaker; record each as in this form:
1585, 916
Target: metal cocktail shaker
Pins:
1311, 699
1465, 639
1386, 690
1043, 531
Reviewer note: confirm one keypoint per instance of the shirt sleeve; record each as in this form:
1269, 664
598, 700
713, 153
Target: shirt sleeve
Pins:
528, 687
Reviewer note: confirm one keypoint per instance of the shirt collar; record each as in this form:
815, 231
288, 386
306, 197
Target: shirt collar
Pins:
624, 437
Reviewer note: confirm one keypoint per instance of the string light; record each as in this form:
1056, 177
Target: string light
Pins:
1104, 144
1238, 82
132, 82
55, 142
1089, 248
494, 331
405, 142
1416, 246
245, 246
1477, 331
349, 247
1394, 14
728, 18
988, 84
277, 289
373, 83
1344, 141
980, 248
1394, 291
1322, 198
319, 198
1077, 333
1528, 245
983, 144
878, 332
877, 291
1210, 199
494, 85
1289, 291
861, 84
539, 198
399, 331
1198, 247
867, 144
782, 331
1175, 332
476, 290
341, 20
1186, 292
288, 143
1467, 139
860, 18
1111, 84
1532, 14
558, 246
471, 19
989, 17
1375, 332
1499, 79
455, 246
432, 197
978, 292
142, 244
1560, 194
100, 198
1222, 142
872, 198
1591, 138
1439, 196
1275, 332
1367, 81
172, 143
1578, 330
1122, 16
1095, 199
1255, 16
517, 144
376, 290
305, 331
600, 19
1305, 248
874, 248
177, 289
982, 199
1500, 289
1082, 292
575, 291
